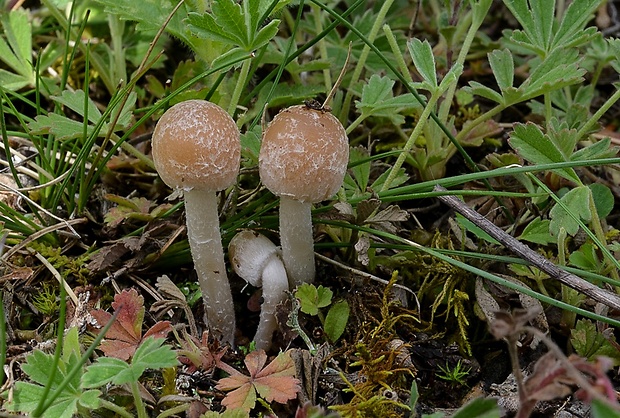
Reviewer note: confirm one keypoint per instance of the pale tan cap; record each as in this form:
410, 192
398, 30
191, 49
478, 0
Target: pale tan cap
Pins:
196, 146
304, 154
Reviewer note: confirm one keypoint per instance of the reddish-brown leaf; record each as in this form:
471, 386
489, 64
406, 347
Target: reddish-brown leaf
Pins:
125, 334
276, 382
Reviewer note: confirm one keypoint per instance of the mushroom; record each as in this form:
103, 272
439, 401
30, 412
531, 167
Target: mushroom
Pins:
196, 149
303, 160
256, 260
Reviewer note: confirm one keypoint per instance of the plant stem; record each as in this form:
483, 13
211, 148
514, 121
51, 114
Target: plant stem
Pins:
469, 38
599, 113
135, 391
346, 104
119, 410
600, 234
243, 76
318, 26
400, 59
411, 142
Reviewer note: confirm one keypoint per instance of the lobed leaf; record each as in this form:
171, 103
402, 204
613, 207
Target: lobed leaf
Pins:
531, 144
424, 61
275, 382
577, 203
537, 231
503, 68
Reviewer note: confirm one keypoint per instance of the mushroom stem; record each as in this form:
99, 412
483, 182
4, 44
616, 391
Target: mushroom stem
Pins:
297, 241
206, 247
274, 287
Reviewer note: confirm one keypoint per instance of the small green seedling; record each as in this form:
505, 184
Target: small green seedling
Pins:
313, 298
456, 375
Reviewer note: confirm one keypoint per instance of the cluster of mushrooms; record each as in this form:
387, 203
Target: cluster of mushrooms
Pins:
303, 159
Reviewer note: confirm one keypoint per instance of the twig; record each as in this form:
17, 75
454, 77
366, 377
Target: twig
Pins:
600, 295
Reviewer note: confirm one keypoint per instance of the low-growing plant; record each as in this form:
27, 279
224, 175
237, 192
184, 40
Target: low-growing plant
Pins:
312, 299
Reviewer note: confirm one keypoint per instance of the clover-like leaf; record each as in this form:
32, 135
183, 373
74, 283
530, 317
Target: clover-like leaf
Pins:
312, 298
275, 382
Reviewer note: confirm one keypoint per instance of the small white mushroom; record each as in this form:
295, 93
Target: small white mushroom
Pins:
303, 160
256, 260
196, 149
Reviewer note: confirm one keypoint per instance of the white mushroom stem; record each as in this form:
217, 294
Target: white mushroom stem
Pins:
297, 240
206, 247
275, 284
256, 260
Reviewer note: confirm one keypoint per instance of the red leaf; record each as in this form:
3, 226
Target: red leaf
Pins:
125, 334
276, 382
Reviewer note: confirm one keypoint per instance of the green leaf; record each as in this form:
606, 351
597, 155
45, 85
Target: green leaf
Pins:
600, 149
577, 15
71, 345
359, 172
503, 67
531, 144
590, 343
479, 408
586, 258
153, 355
103, 371
558, 70
27, 396
577, 202
336, 320
235, 24
16, 50
468, 225
486, 92
38, 365
250, 146
602, 409
378, 100
424, 61
150, 15
312, 298
149, 355
74, 100
603, 199
537, 231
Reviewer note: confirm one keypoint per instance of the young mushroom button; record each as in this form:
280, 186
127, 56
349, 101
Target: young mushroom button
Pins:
255, 259
196, 149
303, 160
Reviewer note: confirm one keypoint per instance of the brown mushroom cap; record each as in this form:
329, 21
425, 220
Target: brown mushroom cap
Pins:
196, 145
304, 154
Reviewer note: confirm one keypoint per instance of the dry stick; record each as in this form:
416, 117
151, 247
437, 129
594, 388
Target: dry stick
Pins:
600, 295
